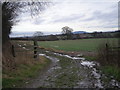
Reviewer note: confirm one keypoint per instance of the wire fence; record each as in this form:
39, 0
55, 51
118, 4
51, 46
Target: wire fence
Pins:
25, 47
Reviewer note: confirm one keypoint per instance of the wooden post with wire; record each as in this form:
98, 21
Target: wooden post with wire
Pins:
13, 51
35, 49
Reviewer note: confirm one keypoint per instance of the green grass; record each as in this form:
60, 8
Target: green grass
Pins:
77, 45
111, 71
90, 58
23, 74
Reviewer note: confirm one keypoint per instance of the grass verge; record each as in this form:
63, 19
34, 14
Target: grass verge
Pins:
90, 58
23, 73
111, 71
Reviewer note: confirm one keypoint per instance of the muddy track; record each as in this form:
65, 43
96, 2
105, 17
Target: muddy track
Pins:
69, 72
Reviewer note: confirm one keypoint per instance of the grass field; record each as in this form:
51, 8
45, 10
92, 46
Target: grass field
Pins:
78, 45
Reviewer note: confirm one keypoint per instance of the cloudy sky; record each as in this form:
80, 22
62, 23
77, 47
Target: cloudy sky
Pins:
81, 15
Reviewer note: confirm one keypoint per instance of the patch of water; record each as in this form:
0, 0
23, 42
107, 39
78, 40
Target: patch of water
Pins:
24, 48
114, 83
47, 51
51, 58
42, 55
88, 64
74, 58
97, 76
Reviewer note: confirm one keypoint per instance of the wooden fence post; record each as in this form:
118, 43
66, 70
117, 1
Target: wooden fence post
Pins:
13, 51
35, 49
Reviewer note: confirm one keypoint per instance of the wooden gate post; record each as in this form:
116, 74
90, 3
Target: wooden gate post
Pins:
35, 49
13, 51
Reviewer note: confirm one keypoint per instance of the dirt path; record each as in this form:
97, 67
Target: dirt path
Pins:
70, 72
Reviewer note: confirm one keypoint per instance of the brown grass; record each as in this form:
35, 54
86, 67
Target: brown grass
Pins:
108, 56
22, 56
22, 67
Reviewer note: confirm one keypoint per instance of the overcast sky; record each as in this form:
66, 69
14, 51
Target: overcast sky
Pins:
81, 15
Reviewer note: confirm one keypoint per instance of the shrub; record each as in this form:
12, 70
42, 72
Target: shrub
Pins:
108, 54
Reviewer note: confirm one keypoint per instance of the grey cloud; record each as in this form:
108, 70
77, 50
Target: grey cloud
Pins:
38, 21
104, 26
72, 17
109, 20
98, 15
112, 26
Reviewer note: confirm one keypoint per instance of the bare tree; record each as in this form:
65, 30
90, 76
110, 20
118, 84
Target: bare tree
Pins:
37, 34
67, 31
10, 11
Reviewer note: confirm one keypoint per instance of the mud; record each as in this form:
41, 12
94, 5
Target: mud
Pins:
79, 72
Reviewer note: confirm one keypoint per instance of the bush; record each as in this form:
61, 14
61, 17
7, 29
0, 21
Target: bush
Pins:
108, 54
108, 57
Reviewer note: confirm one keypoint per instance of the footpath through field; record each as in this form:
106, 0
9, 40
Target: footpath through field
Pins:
70, 72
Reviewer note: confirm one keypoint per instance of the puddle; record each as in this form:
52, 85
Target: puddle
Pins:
47, 51
97, 76
75, 58
23, 47
49, 57
88, 64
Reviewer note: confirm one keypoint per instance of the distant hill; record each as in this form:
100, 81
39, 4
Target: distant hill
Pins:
79, 32
29, 34
21, 34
